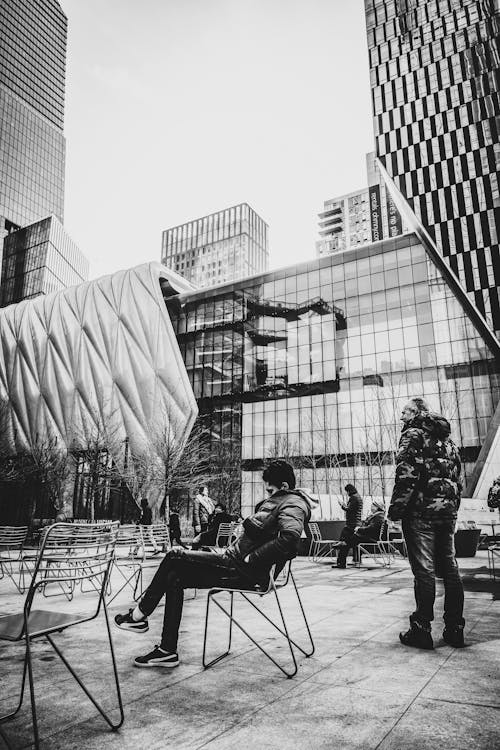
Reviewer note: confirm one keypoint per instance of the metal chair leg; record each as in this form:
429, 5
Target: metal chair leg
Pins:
206, 664
282, 630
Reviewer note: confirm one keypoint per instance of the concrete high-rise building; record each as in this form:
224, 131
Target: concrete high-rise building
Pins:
225, 246
367, 215
435, 72
32, 144
344, 223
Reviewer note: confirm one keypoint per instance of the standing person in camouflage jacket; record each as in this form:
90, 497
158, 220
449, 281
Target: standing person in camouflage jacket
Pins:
426, 497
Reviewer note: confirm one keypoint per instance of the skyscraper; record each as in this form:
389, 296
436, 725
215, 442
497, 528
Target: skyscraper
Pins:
366, 215
32, 144
224, 246
435, 78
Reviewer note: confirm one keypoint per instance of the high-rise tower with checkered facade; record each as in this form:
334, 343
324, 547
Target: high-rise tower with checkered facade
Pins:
435, 80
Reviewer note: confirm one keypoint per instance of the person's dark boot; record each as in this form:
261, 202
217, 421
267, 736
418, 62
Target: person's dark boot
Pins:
454, 636
418, 636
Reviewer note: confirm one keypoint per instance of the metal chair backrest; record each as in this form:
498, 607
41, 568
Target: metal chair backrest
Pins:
72, 553
225, 531
315, 531
129, 539
155, 535
12, 537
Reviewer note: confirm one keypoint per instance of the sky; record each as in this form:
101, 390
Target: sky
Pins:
179, 108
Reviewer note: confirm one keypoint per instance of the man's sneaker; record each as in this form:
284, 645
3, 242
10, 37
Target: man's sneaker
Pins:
126, 622
417, 636
454, 636
157, 658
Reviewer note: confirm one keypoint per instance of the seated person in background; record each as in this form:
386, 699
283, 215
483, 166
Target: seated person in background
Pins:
353, 513
270, 536
208, 538
174, 530
368, 531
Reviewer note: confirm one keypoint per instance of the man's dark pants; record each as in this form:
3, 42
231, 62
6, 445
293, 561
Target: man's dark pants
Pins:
351, 542
431, 551
181, 570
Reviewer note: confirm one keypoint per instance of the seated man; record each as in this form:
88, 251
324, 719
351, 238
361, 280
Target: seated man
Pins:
271, 536
369, 531
208, 538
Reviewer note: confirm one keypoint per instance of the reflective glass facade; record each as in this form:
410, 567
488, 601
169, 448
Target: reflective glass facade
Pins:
32, 79
225, 246
315, 361
435, 79
40, 259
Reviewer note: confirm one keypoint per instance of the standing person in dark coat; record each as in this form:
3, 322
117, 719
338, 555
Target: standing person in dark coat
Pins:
426, 496
353, 513
367, 531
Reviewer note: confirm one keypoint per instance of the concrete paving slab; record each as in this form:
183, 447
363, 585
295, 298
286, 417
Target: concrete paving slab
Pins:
361, 689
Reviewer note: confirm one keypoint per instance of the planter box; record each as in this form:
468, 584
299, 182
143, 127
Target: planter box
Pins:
466, 542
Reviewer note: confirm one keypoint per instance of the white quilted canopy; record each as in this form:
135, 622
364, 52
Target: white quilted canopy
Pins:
103, 352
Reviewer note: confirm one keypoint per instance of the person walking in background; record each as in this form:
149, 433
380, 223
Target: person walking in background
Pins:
146, 521
203, 510
270, 536
353, 508
367, 531
426, 497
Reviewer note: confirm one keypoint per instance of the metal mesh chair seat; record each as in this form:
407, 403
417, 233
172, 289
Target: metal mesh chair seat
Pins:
70, 554
277, 580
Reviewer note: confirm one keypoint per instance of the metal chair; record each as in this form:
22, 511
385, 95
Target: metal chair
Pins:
225, 532
127, 561
277, 580
395, 538
320, 547
12, 539
493, 553
155, 538
89, 555
377, 550
56, 551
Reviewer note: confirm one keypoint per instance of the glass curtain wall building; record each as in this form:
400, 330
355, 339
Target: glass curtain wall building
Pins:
32, 81
225, 246
40, 259
313, 363
435, 78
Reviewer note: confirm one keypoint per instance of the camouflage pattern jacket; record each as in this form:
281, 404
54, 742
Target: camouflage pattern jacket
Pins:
427, 483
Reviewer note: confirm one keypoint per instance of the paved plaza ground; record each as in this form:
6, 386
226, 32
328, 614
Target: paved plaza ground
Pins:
361, 689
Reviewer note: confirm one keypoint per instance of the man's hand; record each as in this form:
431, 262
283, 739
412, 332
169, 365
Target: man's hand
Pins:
246, 559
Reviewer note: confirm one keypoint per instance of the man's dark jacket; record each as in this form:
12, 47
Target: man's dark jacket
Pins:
353, 510
272, 534
427, 483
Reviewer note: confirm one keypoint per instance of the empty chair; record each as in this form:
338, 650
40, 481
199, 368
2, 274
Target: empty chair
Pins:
12, 539
128, 560
89, 555
320, 547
